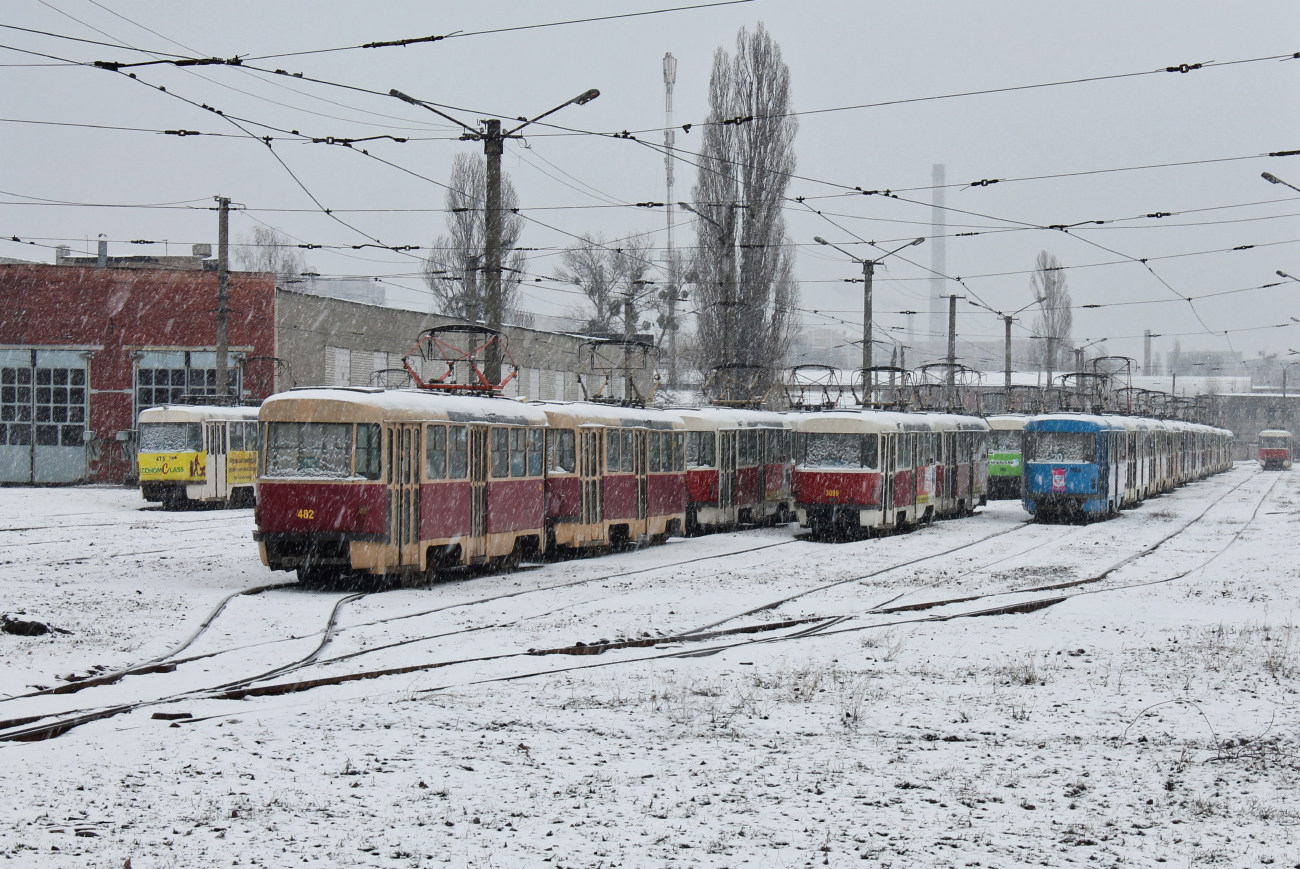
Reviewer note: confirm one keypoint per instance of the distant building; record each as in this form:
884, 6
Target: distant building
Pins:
84, 349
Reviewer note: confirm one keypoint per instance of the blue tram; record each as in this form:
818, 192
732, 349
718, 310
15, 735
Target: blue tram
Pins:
1078, 466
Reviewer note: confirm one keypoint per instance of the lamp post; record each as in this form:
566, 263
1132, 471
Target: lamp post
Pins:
1273, 179
494, 141
868, 271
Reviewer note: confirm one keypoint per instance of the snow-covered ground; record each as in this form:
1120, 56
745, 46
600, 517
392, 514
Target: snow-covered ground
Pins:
1148, 717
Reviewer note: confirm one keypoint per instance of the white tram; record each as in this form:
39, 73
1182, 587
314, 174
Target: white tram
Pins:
189, 454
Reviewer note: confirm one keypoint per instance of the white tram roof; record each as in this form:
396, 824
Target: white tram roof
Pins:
567, 414
949, 421
1007, 422
1274, 433
196, 413
359, 404
714, 418
883, 421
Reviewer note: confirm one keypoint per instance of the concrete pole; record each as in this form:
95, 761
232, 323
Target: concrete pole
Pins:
952, 339
493, 147
868, 271
223, 296
729, 288
1006, 320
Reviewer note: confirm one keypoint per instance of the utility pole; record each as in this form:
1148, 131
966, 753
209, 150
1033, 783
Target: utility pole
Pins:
1078, 359
952, 338
494, 141
1146, 351
223, 296
494, 145
868, 271
1006, 320
629, 330
729, 287
670, 141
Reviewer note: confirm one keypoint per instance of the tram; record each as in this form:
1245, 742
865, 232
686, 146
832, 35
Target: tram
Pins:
197, 454
739, 467
871, 472
614, 475
1005, 437
1082, 466
1274, 449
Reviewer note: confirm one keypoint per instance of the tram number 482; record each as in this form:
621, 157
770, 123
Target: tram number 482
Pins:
306, 514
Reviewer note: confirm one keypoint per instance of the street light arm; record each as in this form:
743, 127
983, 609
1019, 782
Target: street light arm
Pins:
1273, 179
820, 240
580, 100
912, 243
422, 104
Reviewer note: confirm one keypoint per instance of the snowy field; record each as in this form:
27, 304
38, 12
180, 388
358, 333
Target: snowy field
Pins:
1116, 694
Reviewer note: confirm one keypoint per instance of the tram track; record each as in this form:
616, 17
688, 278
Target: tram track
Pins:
806, 628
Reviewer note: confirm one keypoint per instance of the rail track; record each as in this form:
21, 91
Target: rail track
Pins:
1028, 600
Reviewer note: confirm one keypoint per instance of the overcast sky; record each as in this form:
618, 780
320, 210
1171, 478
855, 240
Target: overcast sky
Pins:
840, 53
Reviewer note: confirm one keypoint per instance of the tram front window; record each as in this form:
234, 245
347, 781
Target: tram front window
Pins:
1004, 441
171, 437
309, 449
839, 450
1273, 443
1062, 446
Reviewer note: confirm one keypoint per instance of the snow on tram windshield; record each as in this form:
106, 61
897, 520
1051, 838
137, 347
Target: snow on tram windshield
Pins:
1062, 446
171, 437
838, 450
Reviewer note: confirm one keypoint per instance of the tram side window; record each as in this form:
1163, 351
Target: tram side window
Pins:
629, 450
981, 446
747, 448
236, 437
310, 449
457, 452
518, 452
435, 452
906, 442
654, 452
536, 440
368, 452
701, 449
563, 453
500, 452
611, 451
679, 452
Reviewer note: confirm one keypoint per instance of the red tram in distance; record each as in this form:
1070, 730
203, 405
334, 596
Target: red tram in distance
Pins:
408, 481
870, 472
739, 467
1275, 449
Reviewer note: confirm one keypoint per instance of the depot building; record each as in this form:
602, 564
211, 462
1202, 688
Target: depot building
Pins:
89, 342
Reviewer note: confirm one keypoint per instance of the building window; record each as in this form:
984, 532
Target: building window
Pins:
178, 377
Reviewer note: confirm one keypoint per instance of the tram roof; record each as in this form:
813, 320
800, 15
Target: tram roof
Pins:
713, 418
1007, 422
564, 414
347, 404
1274, 433
196, 413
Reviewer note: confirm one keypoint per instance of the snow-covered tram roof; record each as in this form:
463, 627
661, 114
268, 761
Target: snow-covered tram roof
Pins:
569, 414
345, 404
196, 413
1274, 433
1007, 422
715, 418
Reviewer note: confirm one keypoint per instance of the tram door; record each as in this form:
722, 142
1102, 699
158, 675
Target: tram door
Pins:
478, 496
590, 452
403, 478
888, 469
639, 441
215, 437
727, 470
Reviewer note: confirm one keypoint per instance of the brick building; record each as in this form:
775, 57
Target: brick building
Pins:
84, 349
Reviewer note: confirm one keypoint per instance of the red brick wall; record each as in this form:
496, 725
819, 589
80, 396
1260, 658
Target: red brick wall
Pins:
122, 311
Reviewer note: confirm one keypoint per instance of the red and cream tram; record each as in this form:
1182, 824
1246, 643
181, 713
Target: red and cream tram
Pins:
397, 481
859, 471
739, 466
1275, 449
613, 474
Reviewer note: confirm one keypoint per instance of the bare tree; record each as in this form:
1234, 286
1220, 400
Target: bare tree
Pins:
266, 249
1055, 323
613, 277
744, 262
454, 268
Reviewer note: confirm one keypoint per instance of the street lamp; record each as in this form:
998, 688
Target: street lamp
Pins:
1273, 179
494, 141
868, 270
